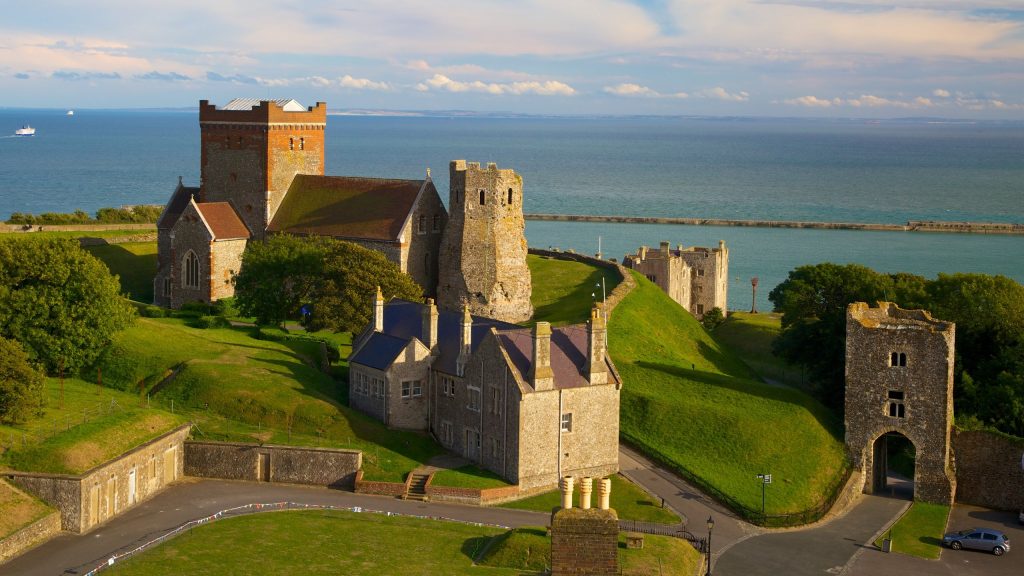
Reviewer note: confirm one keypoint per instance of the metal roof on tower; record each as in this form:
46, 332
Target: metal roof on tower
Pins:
287, 104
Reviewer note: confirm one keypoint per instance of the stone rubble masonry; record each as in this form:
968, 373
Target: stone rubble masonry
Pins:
696, 278
989, 469
90, 499
925, 382
483, 247
249, 157
584, 542
37, 532
328, 467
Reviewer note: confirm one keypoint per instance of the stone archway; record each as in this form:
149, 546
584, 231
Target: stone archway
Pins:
899, 379
891, 472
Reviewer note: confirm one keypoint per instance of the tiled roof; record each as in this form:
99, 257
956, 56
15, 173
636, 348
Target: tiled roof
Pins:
568, 354
346, 207
176, 205
288, 104
380, 351
223, 220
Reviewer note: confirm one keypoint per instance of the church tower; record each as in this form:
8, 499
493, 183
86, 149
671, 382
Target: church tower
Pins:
252, 149
483, 250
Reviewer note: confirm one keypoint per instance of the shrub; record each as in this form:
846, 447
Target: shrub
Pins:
713, 318
152, 312
21, 385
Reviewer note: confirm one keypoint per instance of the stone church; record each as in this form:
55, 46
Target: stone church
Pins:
262, 173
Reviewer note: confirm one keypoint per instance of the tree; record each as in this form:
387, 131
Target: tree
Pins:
335, 280
58, 301
21, 385
713, 318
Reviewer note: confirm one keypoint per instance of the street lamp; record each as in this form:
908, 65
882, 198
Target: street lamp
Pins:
753, 297
711, 526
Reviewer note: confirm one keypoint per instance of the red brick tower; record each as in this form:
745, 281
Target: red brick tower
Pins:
252, 149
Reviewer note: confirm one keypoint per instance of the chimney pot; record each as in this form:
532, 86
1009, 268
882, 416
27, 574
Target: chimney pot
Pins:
586, 489
604, 492
567, 492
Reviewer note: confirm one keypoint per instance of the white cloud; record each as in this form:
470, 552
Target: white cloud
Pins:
940, 93
630, 89
719, 93
960, 100
813, 102
541, 88
347, 81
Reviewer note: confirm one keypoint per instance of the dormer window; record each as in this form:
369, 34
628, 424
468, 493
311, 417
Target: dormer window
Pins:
898, 359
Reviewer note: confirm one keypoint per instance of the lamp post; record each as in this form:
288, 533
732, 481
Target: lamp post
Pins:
753, 297
711, 526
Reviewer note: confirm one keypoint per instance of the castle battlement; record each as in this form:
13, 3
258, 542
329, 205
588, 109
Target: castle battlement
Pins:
889, 315
244, 111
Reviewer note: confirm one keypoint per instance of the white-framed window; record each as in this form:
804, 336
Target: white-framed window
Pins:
190, 269
378, 387
448, 386
474, 398
406, 388
567, 422
417, 388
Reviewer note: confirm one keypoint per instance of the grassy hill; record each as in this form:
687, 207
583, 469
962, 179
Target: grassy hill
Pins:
692, 403
750, 336
565, 291
18, 509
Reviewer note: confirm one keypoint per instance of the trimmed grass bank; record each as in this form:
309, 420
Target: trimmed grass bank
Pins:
919, 531
18, 509
750, 336
564, 291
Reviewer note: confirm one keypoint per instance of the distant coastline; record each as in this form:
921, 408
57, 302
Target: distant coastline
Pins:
910, 226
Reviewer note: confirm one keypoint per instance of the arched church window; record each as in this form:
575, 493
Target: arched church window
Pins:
191, 270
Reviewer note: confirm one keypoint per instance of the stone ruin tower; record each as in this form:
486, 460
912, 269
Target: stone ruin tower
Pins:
483, 249
251, 150
899, 378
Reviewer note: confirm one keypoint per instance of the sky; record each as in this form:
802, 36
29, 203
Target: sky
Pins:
821, 58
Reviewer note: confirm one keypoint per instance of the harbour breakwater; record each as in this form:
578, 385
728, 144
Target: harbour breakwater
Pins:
910, 226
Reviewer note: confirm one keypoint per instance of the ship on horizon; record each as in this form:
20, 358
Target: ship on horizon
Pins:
25, 130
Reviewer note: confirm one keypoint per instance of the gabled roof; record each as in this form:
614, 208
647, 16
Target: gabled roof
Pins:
222, 220
568, 354
176, 205
380, 351
347, 207
288, 104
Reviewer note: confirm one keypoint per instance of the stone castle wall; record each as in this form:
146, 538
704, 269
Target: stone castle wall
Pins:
225, 263
922, 383
989, 469
328, 467
37, 532
483, 248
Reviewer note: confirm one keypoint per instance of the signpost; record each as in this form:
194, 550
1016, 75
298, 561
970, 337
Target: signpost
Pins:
765, 479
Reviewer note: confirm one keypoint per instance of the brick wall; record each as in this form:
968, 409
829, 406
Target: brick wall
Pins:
989, 469
290, 464
584, 542
378, 488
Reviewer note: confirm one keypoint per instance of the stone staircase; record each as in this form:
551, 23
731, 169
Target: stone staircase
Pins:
417, 489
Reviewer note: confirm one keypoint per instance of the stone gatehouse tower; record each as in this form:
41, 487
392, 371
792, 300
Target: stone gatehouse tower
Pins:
483, 248
899, 378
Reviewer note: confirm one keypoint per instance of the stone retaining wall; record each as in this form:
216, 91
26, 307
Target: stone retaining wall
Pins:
989, 469
37, 532
329, 467
626, 282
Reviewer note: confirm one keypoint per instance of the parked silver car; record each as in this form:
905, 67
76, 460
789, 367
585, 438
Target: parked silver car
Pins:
986, 539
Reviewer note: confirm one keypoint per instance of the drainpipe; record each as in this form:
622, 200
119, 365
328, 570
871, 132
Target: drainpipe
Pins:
558, 422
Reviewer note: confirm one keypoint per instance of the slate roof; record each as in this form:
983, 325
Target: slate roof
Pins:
568, 354
222, 220
176, 205
347, 207
380, 351
288, 104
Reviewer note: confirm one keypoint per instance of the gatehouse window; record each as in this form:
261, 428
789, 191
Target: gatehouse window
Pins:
191, 266
898, 359
896, 407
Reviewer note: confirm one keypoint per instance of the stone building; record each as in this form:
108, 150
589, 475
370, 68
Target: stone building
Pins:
529, 405
483, 250
696, 277
263, 162
899, 380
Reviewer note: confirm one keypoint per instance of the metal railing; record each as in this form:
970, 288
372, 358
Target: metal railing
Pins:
657, 529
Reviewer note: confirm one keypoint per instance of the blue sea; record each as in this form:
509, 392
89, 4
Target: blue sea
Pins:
738, 168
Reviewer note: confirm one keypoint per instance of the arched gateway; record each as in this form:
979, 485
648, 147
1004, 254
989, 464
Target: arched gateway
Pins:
899, 378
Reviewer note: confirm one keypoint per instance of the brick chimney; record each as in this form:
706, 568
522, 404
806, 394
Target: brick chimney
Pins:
429, 335
541, 376
465, 340
597, 341
378, 311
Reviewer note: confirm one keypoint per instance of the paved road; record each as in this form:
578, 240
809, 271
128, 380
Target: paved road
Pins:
825, 548
192, 499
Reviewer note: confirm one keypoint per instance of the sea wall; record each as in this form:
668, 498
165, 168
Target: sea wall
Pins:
911, 226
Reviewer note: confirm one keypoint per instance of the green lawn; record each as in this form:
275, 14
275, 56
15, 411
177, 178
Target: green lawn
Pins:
750, 336
919, 531
629, 501
18, 509
691, 403
564, 291
118, 233
468, 477
94, 425
135, 265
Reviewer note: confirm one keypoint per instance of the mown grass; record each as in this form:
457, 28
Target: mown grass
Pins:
629, 501
468, 477
564, 291
919, 531
750, 336
118, 233
529, 550
18, 509
691, 403
94, 425
319, 542
134, 263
